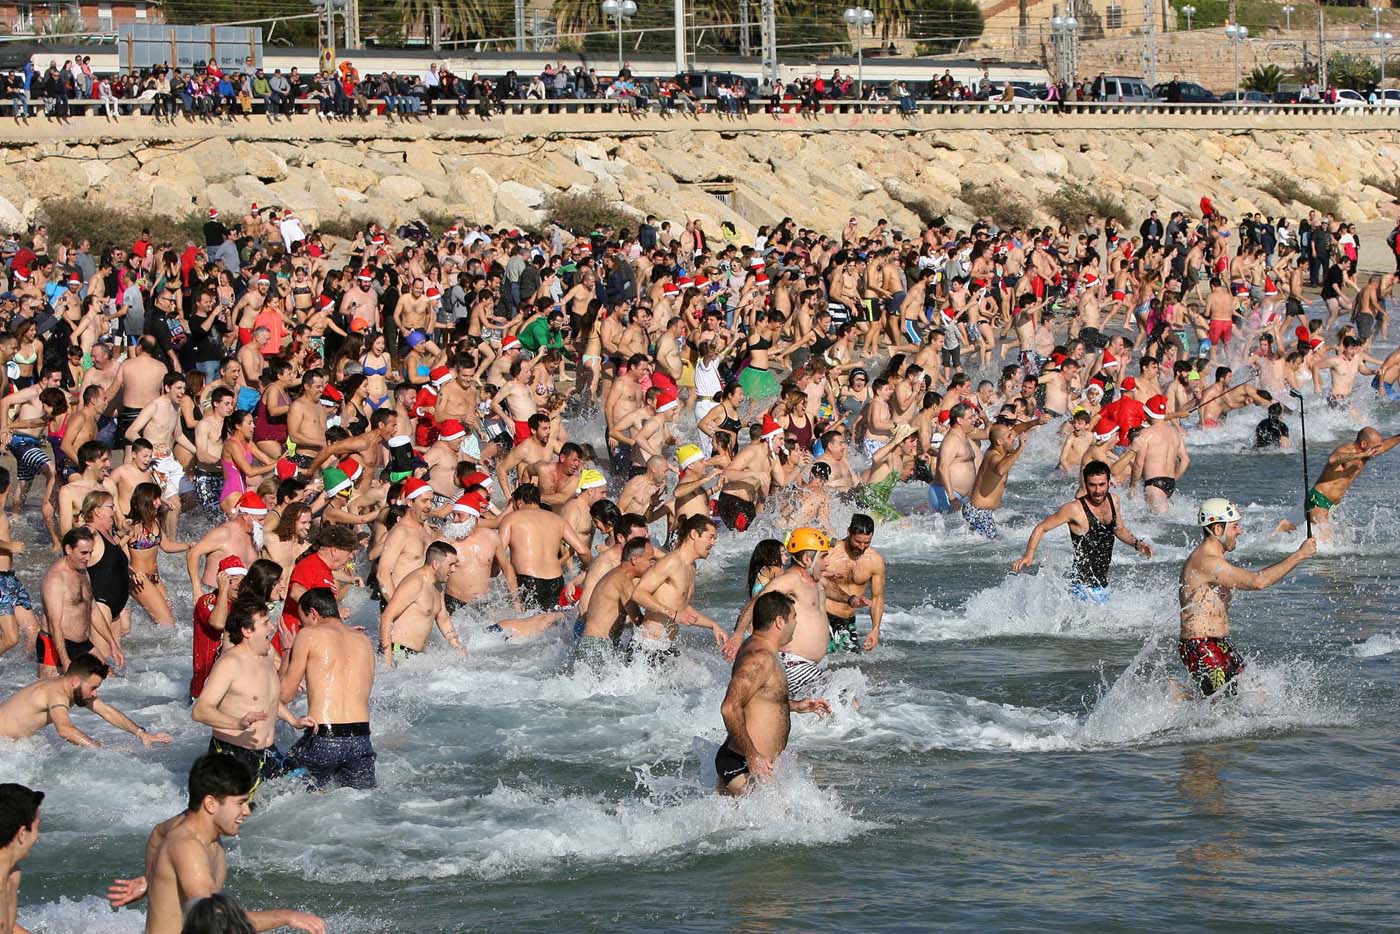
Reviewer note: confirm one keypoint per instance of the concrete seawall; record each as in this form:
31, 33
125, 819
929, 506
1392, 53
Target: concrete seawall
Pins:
750, 171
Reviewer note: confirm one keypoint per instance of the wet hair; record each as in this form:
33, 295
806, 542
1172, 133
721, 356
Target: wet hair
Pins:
142, 444
78, 533
287, 524
1095, 469
439, 551
628, 521
217, 775
145, 504
243, 615
86, 665
605, 513
172, 379
527, 493
90, 452
861, 524
55, 400
694, 525
766, 554
320, 600
19, 806
335, 535
634, 547
216, 914
769, 607
822, 471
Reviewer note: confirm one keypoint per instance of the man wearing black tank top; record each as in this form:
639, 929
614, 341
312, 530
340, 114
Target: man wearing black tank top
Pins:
1094, 522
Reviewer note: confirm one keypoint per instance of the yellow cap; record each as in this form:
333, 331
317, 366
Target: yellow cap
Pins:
807, 539
688, 454
591, 480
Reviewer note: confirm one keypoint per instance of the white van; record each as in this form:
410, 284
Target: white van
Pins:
1118, 88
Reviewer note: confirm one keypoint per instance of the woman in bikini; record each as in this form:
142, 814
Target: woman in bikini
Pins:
144, 539
269, 423
242, 460
318, 322
590, 326
24, 365
375, 365
355, 410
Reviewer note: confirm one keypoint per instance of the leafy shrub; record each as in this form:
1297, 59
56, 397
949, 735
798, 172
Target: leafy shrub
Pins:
582, 213
1287, 190
73, 219
986, 201
1073, 201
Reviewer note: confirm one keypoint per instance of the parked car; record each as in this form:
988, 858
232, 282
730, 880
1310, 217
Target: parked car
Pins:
1187, 92
1246, 97
1130, 90
1390, 97
1347, 99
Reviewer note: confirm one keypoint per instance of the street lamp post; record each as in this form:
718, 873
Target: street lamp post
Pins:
1061, 29
619, 10
1237, 35
1287, 11
859, 17
1190, 11
1383, 39
1376, 10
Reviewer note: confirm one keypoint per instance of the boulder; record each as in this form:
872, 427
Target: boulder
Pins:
12, 220
345, 196
421, 157
96, 170
261, 161
343, 175
400, 188
170, 200
217, 160
518, 204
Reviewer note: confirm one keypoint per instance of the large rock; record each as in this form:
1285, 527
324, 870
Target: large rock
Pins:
261, 161
421, 157
343, 175
473, 187
171, 200
518, 204
12, 220
400, 188
96, 170
217, 160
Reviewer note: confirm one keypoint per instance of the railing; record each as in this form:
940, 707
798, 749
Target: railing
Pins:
742, 109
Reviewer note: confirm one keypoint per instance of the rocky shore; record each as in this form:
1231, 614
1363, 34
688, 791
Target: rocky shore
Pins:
748, 175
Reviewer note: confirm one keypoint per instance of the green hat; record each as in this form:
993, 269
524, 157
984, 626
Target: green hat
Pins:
335, 481
569, 267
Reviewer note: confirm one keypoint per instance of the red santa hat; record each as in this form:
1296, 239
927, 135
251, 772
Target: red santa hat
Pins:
332, 396
1270, 289
413, 488
351, 468
667, 401
233, 566
511, 342
684, 282
1109, 360
478, 478
251, 504
1157, 406
1105, 429
451, 430
771, 428
440, 375
669, 288
1129, 384
213, 213
470, 504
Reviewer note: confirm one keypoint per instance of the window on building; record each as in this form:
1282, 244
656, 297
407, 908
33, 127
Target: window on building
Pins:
104, 15
1114, 17
140, 9
24, 15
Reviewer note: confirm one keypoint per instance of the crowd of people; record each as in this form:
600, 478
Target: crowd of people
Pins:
413, 417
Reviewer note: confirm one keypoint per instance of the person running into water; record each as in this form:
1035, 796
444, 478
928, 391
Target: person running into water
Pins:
757, 708
851, 568
47, 702
1208, 582
1094, 520
1343, 466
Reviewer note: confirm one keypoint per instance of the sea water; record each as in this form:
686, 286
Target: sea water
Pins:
1007, 758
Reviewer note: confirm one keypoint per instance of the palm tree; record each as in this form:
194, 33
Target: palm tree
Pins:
1264, 78
460, 19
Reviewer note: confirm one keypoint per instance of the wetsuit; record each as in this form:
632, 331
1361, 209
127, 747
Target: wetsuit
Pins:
111, 577
1093, 553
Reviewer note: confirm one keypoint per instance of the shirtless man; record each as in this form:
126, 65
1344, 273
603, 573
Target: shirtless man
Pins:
66, 630
530, 449
207, 471
1221, 398
1208, 581
306, 418
1344, 367
252, 356
81, 426
1094, 521
23, 433
559, 481
1077, 440
835, 454
159, 423
805, 659
611, 607
185, 861
241, 700
480, 555
362, 302
416, 605
645, 432
94, 463
1001, 455
959, 458
337, 665
138, 381
1343, 466
1060, 384
645, 494
849, 570
590, 489
19, 831
407, 541
17, 621
47, 702
442, 457
241, 535
749, 476
532, 537
758, 703
515, 402
1160, 457
624, 528
666, 592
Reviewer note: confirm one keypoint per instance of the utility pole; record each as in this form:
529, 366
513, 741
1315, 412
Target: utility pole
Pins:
769, 38
680, 36
352, 24
1321, 48
520, 25
435, 26
745, 47
1023, 22
1149, 48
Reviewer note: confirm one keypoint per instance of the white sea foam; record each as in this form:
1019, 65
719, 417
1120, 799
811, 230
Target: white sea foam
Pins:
1382, 643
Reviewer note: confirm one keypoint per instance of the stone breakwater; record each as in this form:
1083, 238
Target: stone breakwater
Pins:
750, 176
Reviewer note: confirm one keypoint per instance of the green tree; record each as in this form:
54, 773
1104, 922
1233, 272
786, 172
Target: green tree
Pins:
1264, 78
1352, 71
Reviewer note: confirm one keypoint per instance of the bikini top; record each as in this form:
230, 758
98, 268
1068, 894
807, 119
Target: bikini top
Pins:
25, 361
145, 538
373, 370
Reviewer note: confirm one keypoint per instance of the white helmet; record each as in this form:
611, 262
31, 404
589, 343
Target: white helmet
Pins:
1218, 509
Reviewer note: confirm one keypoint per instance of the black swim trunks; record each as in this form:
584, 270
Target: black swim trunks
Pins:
452, 604
844, 636
265, 764
47, 655
337, 754
541, 592
736, 514
729, 765
1166, 484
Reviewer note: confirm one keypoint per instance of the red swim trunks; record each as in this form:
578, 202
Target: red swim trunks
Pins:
1213, 663
1220, 332
522, 431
